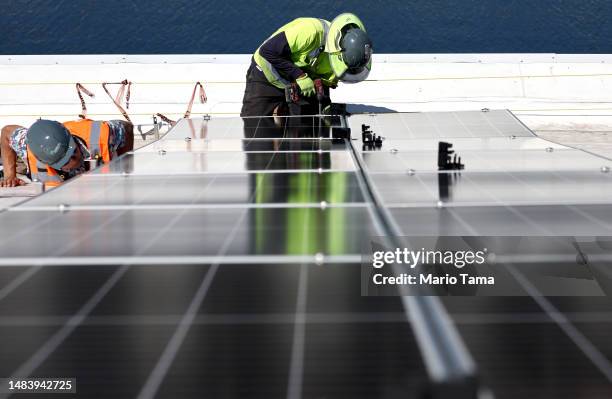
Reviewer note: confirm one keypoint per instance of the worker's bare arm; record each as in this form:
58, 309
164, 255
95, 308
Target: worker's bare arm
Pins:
9, 158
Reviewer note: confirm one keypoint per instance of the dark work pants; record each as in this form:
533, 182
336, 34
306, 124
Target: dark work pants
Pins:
261, 97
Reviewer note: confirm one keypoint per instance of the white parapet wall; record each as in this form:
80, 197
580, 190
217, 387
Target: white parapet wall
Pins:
563, 97
547, 91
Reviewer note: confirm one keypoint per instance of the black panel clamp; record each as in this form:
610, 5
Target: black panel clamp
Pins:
447, 159
370, 139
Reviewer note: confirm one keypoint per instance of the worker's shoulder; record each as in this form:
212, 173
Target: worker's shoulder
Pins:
83, 121
85, 126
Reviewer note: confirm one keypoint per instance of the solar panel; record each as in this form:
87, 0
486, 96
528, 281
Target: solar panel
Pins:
251, 128
499, 160
203, 189
543, 220
224, 260
428, 125
179, 232
170, 163
246, 145
503, 188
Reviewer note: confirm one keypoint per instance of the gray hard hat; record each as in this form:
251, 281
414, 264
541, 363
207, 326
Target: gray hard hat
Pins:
356, 48
51, 143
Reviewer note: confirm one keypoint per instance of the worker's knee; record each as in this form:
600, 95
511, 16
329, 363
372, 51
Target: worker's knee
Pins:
129, 136
129, 127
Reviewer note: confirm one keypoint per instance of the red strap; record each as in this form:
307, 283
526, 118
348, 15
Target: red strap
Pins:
203, 98
166, 119
80, 90
119, 97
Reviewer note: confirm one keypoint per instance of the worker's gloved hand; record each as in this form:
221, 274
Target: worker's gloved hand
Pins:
11, 182
306, 84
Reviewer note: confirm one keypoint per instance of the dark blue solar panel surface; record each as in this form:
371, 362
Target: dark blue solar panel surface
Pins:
228, 264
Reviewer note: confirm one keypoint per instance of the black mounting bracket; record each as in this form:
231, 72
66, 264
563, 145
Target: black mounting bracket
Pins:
370, 139
447, 159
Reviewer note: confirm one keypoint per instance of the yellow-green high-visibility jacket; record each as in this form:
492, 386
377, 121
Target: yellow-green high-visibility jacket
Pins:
306, 38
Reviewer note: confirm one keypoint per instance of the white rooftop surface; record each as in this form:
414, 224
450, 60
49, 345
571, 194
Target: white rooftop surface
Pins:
567, 98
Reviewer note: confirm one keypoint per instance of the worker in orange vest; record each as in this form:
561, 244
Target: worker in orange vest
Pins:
55, 152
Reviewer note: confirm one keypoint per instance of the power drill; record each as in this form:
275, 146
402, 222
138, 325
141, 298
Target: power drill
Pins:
292, 94
320, 94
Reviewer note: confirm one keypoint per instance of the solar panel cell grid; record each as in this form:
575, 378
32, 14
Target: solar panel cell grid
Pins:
228, 264
211, 189
427, 125
171, 163
246, 145
486, 161
491, 188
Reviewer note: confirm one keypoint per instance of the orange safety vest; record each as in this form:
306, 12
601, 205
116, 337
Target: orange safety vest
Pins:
94, 133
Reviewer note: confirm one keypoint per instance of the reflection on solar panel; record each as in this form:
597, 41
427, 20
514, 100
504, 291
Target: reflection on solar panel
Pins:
224, 261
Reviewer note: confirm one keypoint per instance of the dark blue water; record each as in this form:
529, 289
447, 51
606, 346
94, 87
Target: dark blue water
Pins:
215, 26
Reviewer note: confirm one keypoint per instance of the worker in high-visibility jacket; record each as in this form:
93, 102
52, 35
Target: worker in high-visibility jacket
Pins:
303, 50
55, 152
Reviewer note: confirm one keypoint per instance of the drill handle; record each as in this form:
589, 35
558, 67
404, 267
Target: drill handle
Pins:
320, 90
292, 93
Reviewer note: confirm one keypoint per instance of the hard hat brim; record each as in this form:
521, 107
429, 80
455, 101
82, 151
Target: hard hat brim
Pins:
357, 76
64, 160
